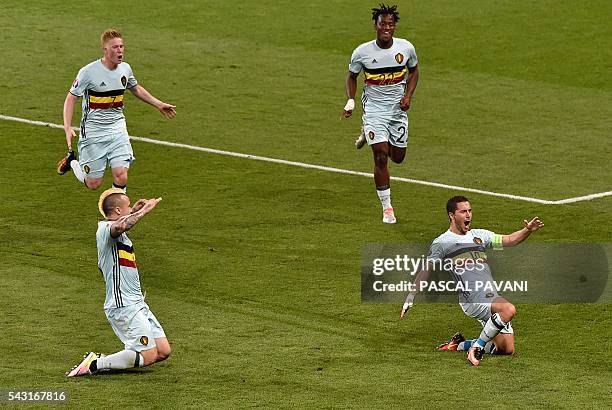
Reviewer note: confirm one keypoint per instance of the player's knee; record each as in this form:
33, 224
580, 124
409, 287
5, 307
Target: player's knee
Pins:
398, 159
506, 349
93, 183
121, 179
149, 356
508, 312
163, 354
380, 159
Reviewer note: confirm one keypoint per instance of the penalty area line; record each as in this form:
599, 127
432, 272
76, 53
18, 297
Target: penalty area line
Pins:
331, 169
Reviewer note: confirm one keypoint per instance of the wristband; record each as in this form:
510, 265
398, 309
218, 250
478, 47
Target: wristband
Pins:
350, 105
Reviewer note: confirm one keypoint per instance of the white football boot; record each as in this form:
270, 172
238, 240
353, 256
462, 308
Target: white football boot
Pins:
82, 368
361, 140
389, 216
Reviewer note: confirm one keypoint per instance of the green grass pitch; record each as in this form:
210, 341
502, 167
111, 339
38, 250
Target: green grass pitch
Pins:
253, 268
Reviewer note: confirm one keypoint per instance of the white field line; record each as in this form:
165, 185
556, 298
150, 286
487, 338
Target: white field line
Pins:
331, 169
583, 198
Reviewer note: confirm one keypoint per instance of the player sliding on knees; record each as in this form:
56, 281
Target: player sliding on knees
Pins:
464, 244
391, 73
104, 139
130, 317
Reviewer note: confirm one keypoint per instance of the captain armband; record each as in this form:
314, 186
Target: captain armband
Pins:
496, 242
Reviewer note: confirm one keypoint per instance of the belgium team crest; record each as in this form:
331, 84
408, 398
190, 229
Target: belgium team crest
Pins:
399, 57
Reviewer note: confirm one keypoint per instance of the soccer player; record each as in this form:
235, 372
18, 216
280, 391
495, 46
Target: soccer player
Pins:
391, 72
462, 244
104, 139
130, 317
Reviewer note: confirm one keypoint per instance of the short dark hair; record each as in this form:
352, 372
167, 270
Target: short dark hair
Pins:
385, 9
451, 204
110, 203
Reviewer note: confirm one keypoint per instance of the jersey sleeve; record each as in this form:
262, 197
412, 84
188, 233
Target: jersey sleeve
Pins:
81, 82
436, 255
412, 57
490, 239
103, 236
355, 65
436, 250
131, 81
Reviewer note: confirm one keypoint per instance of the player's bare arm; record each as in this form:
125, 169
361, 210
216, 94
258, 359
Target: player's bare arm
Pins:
351, 90
125, 223
519, 236
409, 302
167, 110
411, 83
68, 111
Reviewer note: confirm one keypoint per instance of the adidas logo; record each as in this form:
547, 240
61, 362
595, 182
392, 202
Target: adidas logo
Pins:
374, 61
102, 84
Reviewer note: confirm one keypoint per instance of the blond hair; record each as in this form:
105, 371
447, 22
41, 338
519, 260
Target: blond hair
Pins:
109, 34
105, 195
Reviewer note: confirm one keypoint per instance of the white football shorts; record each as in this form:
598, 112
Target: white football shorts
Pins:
136, 326
115, 152
393, 130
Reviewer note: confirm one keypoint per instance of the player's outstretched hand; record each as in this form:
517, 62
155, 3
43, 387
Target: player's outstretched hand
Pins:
405, 309
533, 225
405, 104
167, 110
150, 204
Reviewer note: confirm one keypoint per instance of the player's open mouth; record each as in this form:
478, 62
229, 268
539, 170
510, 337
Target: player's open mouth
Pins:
467, 223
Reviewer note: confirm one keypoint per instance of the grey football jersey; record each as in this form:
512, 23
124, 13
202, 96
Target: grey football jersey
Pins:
385, 72
102, 91
117, 262
460, 250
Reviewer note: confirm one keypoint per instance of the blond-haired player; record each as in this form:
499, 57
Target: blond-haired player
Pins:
104, 139
130, 317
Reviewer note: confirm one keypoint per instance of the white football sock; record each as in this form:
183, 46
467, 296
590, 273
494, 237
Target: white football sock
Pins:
125, 359
78, 172
385, 197
493, 326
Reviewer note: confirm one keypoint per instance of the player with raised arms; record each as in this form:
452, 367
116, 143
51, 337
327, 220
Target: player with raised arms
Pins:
130, 317
391, 73
461, 243
103, 138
